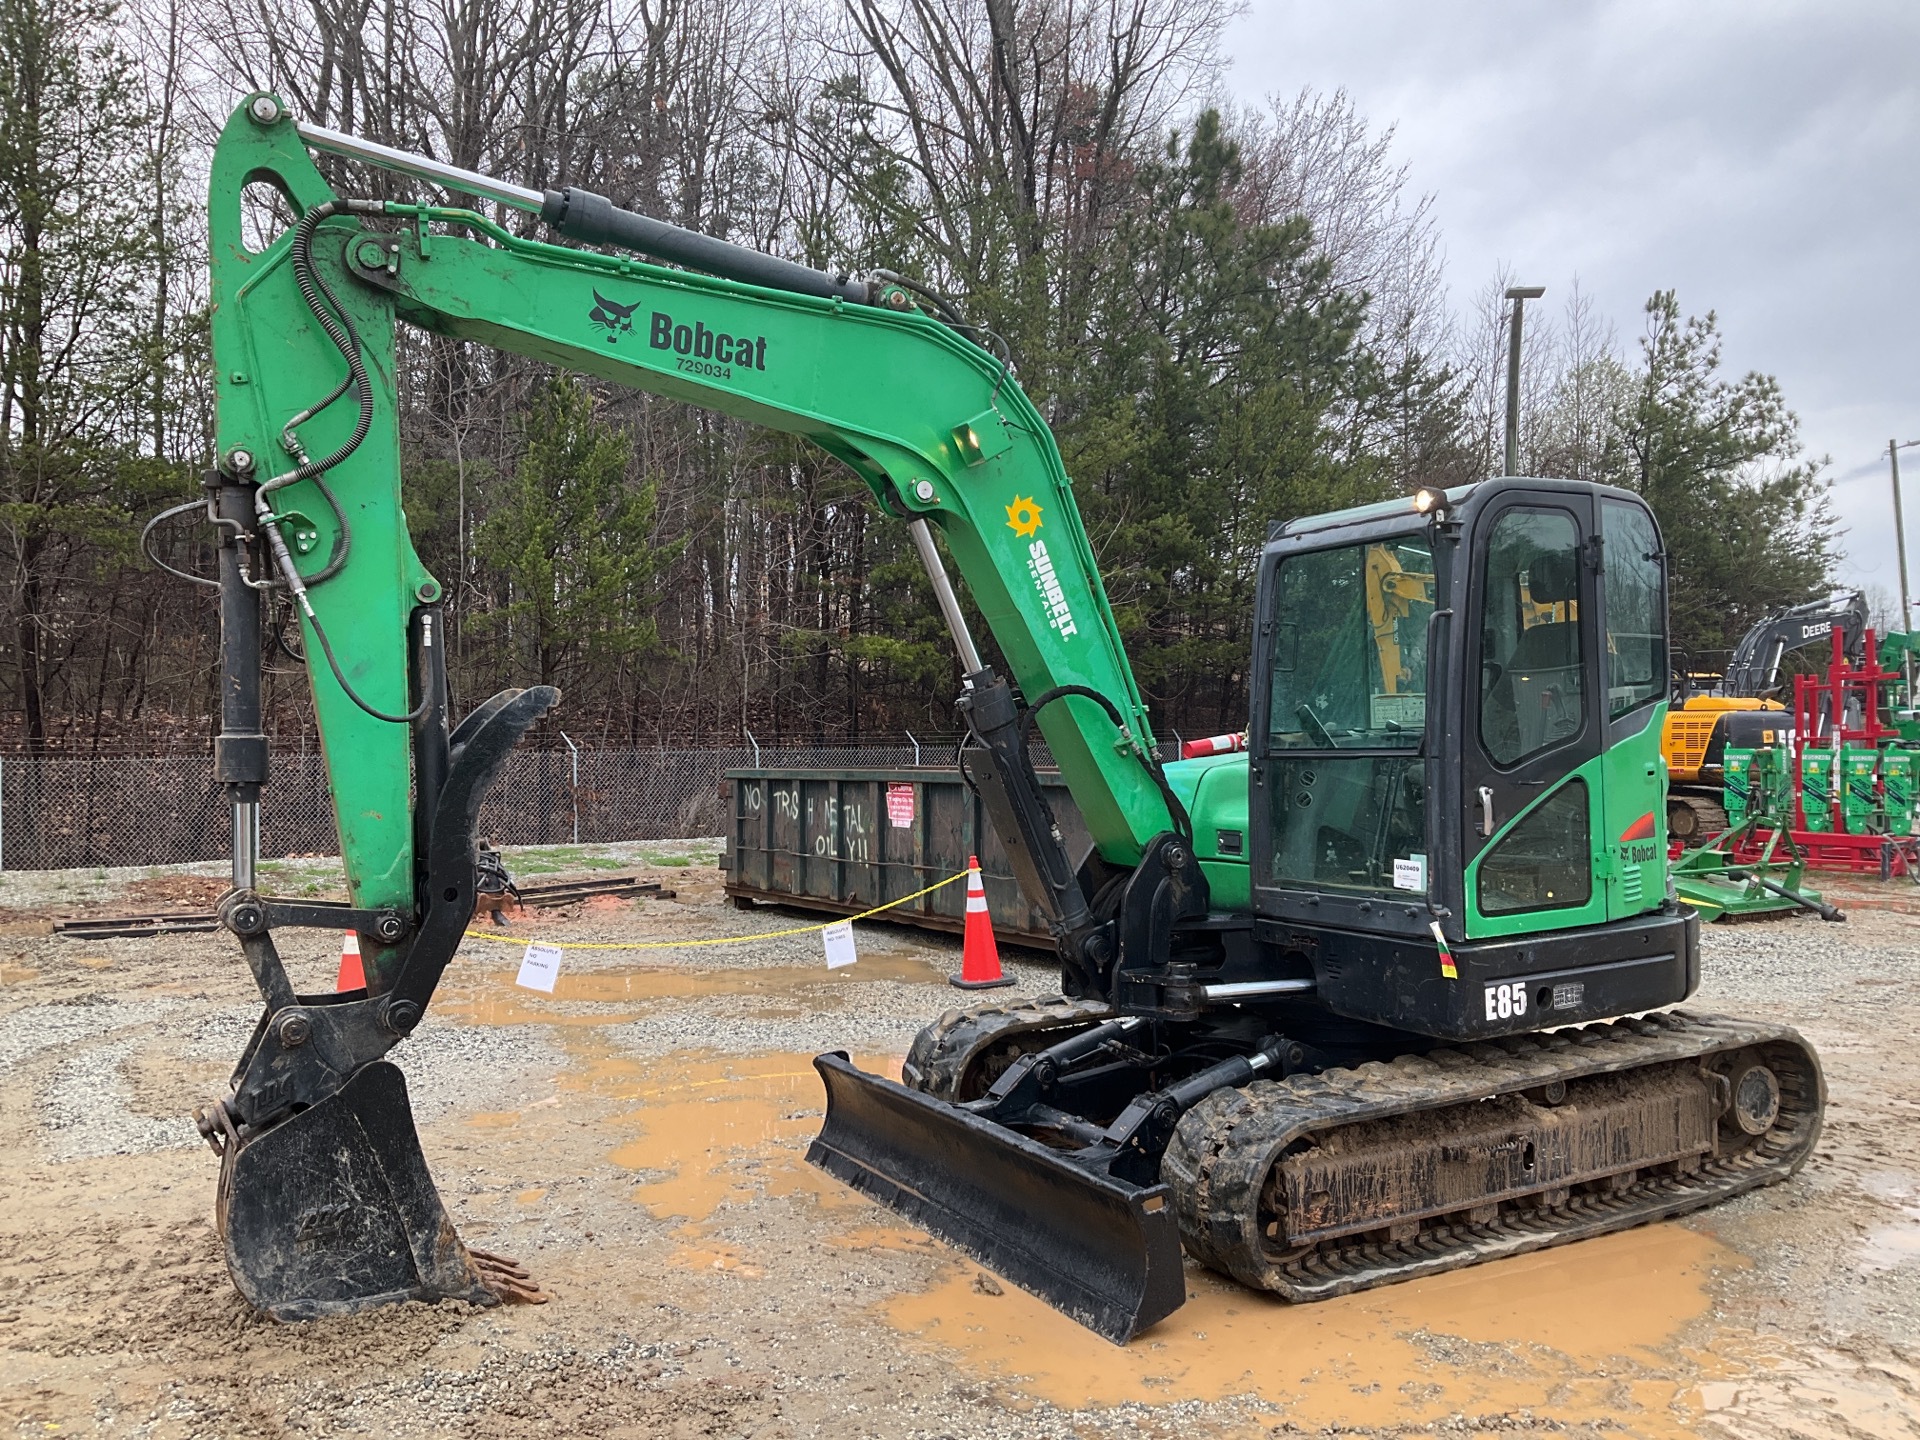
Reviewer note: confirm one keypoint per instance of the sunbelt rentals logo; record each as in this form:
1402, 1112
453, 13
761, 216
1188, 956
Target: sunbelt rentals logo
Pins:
1023, 518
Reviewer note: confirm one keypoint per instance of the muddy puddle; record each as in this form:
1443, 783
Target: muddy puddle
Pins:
705, 1132
1892, 1245
1590, 1332
1577, 1333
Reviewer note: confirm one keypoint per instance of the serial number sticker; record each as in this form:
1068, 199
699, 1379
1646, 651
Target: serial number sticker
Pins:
1506, 1000
1569, 996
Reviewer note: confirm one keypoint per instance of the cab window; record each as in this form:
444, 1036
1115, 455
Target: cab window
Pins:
1532, 681
1636, 605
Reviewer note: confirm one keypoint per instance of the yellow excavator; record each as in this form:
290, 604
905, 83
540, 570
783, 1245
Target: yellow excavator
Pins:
1742, 711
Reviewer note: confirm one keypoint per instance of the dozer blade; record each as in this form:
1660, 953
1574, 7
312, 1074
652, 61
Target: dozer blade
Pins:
332, 1210
1102, 1251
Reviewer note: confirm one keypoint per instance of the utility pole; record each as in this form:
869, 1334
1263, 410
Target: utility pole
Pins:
1900, 530
1519, 295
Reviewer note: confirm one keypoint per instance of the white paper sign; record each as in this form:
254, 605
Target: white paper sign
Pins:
839, 942
1410, 874
539, 968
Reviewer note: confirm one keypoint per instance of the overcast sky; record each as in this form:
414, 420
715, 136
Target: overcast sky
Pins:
1758, 156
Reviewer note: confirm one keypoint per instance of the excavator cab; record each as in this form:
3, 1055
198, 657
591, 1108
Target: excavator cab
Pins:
1508, 784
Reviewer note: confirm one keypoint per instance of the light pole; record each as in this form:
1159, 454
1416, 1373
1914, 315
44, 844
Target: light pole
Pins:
1900, 529
1519, 295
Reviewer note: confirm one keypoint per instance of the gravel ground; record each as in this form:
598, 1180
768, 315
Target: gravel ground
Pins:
635, 1137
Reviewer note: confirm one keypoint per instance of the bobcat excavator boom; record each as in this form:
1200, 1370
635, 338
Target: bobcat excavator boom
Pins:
1446, 827
325, 1201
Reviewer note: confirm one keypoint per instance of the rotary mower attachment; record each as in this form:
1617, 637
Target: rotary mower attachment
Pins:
326, 1205
1715, 882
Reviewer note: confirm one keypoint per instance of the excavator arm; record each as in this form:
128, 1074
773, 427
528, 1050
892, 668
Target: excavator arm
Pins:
306, 496
1755, 666
932, 422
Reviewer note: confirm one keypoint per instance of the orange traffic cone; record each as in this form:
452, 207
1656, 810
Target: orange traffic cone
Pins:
979, 955
352, 976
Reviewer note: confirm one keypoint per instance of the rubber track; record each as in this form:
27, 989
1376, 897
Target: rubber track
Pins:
1710, 818
1225, 1147
943, 1052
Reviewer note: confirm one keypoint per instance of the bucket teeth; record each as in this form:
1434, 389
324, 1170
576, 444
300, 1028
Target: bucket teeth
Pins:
506, 1279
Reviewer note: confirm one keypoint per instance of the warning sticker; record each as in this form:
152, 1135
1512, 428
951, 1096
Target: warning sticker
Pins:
900, 806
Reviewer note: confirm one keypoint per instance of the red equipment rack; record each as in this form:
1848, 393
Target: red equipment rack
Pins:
1820, 711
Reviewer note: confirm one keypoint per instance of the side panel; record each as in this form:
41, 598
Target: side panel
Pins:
1508, 986
1214, 790
1633, 826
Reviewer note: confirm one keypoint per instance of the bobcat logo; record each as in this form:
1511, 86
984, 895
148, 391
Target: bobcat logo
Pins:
616, 320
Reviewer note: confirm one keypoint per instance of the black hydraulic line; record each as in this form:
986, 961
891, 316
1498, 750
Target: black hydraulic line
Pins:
338, 325
326, 648
280, 639
1182, 821
595, 220
155, 523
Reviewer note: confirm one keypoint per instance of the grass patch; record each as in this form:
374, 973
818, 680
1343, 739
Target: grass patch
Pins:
669, 861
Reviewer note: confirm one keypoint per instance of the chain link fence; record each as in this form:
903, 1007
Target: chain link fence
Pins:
61, 812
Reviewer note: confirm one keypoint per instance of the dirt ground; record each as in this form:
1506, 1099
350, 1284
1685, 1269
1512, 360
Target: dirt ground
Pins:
636, 1140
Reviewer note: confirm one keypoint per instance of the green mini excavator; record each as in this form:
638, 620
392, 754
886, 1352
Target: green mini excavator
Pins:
1337, 1010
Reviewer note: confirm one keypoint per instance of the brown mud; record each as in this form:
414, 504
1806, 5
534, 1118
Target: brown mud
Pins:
709, 1282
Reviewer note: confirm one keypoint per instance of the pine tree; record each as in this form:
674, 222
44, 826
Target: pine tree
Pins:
573, 538
1746, 517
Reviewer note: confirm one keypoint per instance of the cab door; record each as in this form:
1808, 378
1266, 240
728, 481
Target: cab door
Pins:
1634, 595
1532, 790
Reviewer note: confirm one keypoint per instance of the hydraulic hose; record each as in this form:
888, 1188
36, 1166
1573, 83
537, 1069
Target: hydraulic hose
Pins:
1182, 821
335, 321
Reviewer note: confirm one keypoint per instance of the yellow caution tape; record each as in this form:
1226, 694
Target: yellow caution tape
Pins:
722, 940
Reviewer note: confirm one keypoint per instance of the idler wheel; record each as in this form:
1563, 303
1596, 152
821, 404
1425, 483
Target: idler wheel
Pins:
1756, 1099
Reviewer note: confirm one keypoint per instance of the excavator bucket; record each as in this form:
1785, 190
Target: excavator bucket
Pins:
1104, 1252
332, 1210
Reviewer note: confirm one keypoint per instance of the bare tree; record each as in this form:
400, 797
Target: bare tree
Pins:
1576, 433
